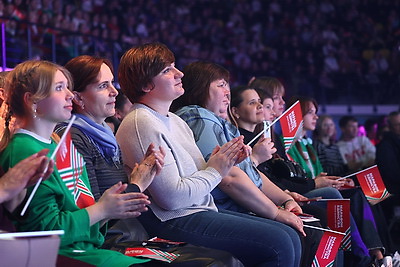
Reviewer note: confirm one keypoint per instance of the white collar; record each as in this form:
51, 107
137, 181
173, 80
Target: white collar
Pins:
34, 135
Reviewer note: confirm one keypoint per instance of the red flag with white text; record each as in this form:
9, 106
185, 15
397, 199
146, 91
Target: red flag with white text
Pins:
338, 215
327, 249
372, 185
291, 124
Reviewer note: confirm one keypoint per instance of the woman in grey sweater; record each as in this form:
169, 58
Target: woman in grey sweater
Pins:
182, 207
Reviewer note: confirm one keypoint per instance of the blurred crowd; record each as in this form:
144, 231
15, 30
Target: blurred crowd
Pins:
339, 51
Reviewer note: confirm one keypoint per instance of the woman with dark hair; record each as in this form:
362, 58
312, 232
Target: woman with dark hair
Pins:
322, 185
94, 101
208, 121
182, 207
274, 87
248, 111
304, 153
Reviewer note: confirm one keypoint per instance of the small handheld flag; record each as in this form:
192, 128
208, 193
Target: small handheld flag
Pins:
51, 158
150, 253
291, 124
372, 185
327, 249
295, 118
338, 215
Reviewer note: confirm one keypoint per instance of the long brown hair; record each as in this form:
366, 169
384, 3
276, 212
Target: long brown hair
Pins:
305, 103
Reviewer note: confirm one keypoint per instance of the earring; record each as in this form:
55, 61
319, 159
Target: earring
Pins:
83, 105
34, 112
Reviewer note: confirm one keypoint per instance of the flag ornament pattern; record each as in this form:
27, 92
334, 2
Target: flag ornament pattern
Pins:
372, 185
291, 124
150, 253
327, 249
338, 215
70, 166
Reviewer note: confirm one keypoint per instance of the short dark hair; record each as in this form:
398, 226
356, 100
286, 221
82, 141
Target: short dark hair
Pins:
236, 94
139, 65
391, 117
196, 81
346, 119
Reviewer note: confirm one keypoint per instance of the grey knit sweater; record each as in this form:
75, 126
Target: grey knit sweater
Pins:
183, 187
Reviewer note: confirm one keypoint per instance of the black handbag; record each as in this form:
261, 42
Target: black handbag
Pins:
287, 169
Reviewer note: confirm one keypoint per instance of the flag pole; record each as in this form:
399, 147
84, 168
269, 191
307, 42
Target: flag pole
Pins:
331, 199
347, 176
47, 164
323, 229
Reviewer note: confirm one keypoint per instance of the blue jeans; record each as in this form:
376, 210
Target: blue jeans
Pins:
324, 192
254, 241
358, 246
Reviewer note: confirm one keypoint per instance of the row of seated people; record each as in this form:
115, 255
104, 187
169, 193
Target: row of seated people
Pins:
199, 175
354, 151
55, 206
362, 152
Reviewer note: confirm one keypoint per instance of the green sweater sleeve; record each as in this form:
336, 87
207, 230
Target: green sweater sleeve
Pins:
52, 209
53, 206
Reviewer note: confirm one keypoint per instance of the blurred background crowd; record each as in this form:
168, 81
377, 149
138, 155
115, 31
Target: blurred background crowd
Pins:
340, 52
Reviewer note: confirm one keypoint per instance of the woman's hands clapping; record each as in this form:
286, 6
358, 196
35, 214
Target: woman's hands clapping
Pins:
143, 174
223, 158
114, 204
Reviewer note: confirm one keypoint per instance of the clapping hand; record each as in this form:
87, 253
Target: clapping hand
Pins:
143, 174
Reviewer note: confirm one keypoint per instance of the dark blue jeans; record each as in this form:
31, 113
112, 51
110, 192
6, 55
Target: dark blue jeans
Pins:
364, 235
254, 241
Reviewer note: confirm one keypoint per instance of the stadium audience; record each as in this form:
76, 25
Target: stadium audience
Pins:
336, 46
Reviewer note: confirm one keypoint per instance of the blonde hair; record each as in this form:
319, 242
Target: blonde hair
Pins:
34, 77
